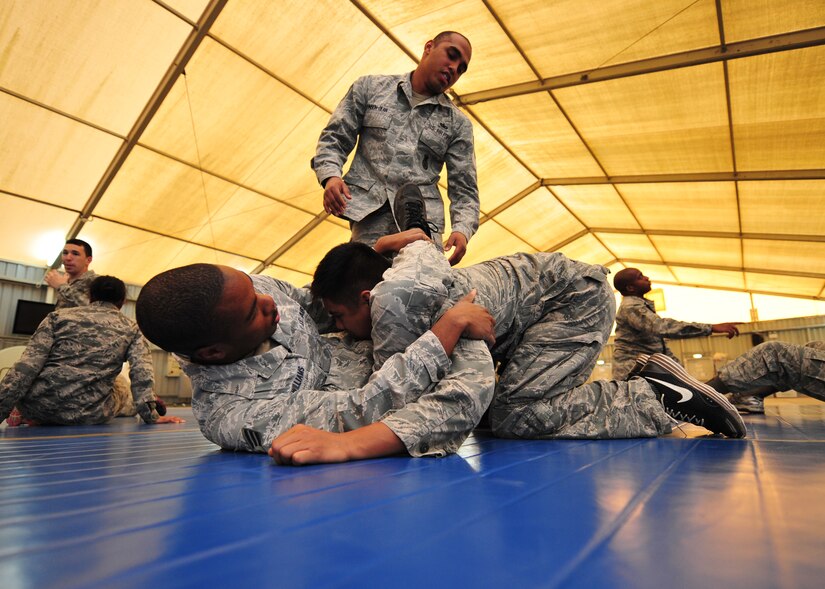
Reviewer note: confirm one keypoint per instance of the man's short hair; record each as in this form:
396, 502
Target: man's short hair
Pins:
623, 278
86, 247
346, 270
107, 289
175, 309
445, 36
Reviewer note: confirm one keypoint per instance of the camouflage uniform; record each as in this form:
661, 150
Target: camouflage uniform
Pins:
67, 372
779, 365
75, 293
639, 330
553, 316
326, 383
398, 144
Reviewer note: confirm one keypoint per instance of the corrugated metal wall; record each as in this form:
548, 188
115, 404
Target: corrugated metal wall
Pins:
19, 281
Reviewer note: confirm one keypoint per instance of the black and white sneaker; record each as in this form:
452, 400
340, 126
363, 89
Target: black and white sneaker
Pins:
637, 367
410, 210
687, 399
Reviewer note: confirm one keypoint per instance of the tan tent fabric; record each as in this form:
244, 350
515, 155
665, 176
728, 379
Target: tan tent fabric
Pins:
684, 137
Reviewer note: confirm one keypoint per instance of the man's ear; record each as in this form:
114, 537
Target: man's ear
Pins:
364, 297
211, 354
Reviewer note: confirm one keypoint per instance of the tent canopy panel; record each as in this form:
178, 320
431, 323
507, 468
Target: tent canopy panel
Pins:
20, 244
500, 175
790, 256
540, 220
287, 275
717, 278
699, 250
587, 249
495, 61
701, 206
746, 19
135, 256
224, 161
783, 284
304, 255
662, 123
597, 205
49, 157
778, 110
226, 115
633, 247
785, 207
133, 45
535, 127
581, 40
491, 241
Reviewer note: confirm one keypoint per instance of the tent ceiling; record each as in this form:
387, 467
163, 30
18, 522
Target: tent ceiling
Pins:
684, 137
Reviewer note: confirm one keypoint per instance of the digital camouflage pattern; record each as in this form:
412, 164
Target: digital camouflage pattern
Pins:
75, 293
779, 365
639, 330
553, 316
67, 372
323, 382
399, 144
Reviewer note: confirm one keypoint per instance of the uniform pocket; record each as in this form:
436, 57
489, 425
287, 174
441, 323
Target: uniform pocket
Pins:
436, 139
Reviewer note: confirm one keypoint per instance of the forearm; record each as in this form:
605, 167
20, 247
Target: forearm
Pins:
372, 441
448, 332
438, 422
462, 185
338, 138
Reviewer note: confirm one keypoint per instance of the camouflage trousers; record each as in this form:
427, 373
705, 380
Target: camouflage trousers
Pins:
122, 394
779, 365
541, 392
625, 360
377, 224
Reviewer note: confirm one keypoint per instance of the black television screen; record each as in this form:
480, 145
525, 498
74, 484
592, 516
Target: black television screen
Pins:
28, 316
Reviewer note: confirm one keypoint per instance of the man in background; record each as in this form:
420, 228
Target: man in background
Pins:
73, 286
67, 373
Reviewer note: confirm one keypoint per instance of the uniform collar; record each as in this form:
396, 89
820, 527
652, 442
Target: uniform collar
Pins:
405, 86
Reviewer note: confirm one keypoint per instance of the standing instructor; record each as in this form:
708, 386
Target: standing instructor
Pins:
406, 129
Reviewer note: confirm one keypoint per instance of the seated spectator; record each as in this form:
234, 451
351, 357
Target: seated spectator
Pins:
66, 375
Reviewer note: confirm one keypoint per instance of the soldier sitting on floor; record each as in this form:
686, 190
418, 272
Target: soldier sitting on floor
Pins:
67, 373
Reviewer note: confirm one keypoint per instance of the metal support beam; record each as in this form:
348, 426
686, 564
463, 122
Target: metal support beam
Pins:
816, 275
305, 230
210, 14
689, 177
743, 290
714, 234
761, 46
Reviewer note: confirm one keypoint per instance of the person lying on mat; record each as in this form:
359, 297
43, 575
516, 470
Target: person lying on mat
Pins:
262, 373
552, 317
67, 373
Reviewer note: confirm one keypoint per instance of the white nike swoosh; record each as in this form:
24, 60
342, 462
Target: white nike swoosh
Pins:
686, 394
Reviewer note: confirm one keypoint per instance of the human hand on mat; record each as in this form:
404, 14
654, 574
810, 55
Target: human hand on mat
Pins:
170, 419
302, 444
